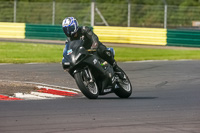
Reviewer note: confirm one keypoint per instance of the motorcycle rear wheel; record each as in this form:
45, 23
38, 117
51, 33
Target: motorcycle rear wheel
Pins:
88, 88
125, 87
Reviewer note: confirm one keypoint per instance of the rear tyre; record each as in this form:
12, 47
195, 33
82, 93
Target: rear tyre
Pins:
125, 87
87, 86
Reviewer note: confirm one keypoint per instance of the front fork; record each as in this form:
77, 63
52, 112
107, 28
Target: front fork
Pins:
88, 74
90, 78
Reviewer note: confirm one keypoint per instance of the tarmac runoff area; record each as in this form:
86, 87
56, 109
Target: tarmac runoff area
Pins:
16, 90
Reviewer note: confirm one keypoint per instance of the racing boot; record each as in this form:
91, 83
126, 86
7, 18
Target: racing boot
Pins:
118, 71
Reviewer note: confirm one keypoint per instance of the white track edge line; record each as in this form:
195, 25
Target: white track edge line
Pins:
28, 96
42, 84
46, 95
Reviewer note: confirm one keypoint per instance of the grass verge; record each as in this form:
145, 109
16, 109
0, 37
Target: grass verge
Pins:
11, 52
138, 54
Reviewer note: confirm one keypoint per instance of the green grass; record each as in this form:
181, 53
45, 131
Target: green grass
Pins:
29, 52
137, 54
11, 52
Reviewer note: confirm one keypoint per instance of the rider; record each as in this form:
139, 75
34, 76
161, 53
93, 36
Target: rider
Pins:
91, 41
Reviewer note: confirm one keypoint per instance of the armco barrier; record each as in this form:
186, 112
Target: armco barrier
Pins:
150, 36
45, 32
183, 37
12, 30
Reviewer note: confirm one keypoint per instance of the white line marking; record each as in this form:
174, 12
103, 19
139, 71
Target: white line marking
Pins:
68, 88
46, 95
6, 63
143, 61
28, 96
42, 84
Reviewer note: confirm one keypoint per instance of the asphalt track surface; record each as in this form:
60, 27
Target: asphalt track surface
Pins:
165, 99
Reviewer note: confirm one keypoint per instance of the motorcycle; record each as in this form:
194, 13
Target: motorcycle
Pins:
93, 75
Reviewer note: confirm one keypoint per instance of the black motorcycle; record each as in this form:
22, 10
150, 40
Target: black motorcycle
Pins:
93, 75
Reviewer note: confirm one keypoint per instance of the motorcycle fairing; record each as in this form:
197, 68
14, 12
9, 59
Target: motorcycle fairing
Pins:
76, 56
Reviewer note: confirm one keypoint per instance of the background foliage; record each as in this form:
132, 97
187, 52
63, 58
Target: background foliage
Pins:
144, 13
147, 2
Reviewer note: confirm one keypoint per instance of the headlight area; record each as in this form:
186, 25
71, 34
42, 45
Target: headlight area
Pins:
65, 64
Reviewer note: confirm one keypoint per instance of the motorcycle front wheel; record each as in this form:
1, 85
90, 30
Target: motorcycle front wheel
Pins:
86, 83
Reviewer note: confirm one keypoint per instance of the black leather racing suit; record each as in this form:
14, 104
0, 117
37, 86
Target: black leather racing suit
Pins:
91, 41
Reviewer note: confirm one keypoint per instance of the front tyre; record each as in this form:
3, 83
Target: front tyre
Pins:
125, 89
86, 83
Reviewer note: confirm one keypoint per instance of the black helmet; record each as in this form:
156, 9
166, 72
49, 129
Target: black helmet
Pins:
70, 26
